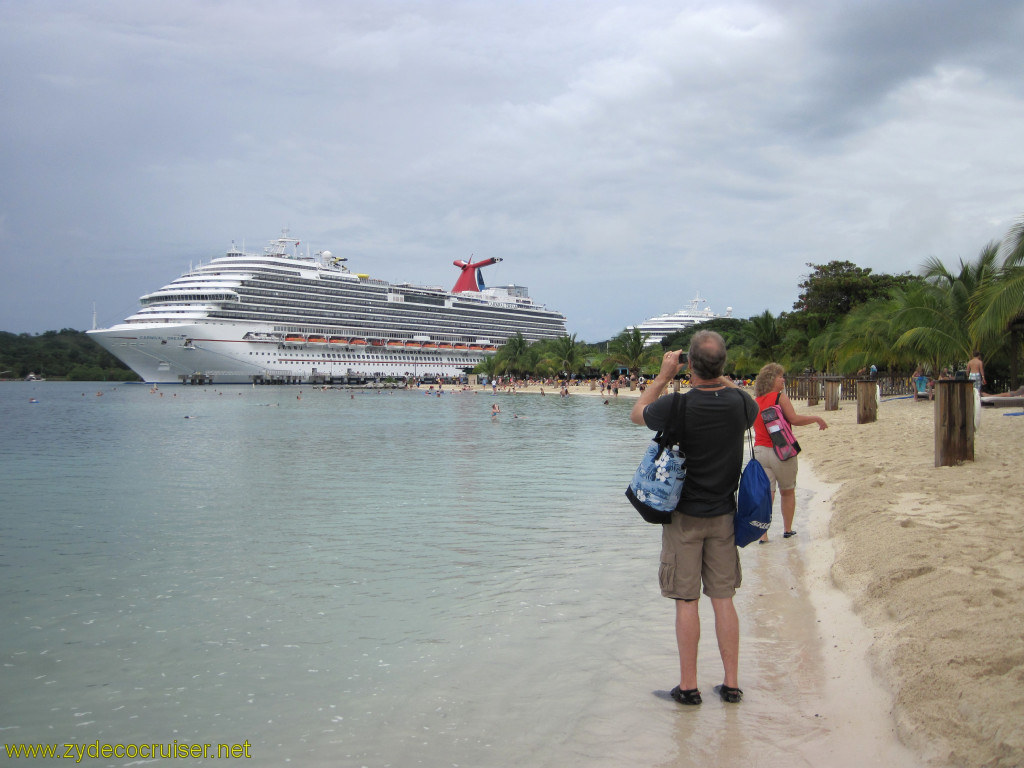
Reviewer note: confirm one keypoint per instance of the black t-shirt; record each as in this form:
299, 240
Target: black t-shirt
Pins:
712, 439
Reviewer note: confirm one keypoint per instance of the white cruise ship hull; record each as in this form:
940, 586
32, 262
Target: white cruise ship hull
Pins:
219, 353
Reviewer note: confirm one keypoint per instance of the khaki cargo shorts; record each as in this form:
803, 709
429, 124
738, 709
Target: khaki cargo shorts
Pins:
697, 550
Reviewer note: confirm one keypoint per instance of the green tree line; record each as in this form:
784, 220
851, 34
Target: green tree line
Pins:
64, 354
845, 318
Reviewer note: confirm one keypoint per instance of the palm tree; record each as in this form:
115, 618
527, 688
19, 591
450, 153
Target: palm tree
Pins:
568, 353
1000, 303
513, 356
930, 321
934, 319
629, 349
767, 340
558, 356
824, 348
866, 336
931, 324
488, 366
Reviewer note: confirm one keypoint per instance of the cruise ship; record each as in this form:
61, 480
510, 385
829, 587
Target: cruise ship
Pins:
657, 328
284, 317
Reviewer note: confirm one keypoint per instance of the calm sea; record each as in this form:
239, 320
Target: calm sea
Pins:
350, 579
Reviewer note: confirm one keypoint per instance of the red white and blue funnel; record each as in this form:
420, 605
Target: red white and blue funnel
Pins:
471, 279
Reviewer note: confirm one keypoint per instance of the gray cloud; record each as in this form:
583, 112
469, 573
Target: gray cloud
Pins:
620, 157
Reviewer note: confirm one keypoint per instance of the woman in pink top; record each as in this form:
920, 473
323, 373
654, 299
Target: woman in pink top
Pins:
769, 389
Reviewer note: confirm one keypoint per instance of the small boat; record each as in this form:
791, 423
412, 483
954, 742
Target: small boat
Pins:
461, 347
357, 342
376, 342
476, 347
429, 345
395, 344
339, 340
444, 345
413, 345
295, 338
490, 348
316, 339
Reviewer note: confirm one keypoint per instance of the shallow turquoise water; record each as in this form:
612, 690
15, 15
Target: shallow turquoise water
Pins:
367, 579
392, 579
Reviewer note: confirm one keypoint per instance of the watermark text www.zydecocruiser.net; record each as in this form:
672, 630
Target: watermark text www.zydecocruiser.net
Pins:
175, 749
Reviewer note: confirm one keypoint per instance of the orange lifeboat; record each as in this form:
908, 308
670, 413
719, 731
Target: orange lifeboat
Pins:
413, 345
395, 345
295, 338
357, 342
339, 340
444, 345
316, 339
429, 345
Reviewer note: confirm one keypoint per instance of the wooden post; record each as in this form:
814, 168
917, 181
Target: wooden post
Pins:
832, 394
954, 422
813, 390
867, 402
675, 385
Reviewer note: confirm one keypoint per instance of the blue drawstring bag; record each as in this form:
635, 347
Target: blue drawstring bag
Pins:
753, 501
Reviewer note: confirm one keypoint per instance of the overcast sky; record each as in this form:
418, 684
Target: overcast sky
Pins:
619, 156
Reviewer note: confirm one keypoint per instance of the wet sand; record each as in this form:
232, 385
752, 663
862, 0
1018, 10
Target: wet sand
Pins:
811, 698
890, 631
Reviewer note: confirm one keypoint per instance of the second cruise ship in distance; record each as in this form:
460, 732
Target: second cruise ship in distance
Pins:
657, 328
284, 317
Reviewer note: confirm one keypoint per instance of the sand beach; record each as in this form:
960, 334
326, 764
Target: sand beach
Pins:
928, 562
933, 562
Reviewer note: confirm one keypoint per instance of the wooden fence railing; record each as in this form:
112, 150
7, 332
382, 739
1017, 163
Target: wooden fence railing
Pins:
799, 387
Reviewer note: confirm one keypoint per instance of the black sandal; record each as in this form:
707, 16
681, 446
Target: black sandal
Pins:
689, 696
730, 695
787, 534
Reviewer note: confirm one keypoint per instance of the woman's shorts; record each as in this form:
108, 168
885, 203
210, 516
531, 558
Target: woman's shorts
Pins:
781, 473
695, 550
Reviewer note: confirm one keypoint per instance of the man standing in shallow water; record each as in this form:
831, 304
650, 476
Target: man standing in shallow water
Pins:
698, 546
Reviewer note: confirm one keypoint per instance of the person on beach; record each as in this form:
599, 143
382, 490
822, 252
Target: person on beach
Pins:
929, 385
1018, 392
976, 371
698, 546
770, 389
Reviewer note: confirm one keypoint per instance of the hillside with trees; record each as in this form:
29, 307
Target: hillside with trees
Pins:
64, 354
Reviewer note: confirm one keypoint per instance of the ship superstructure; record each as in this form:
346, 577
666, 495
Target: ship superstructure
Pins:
281, 316
657, 328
